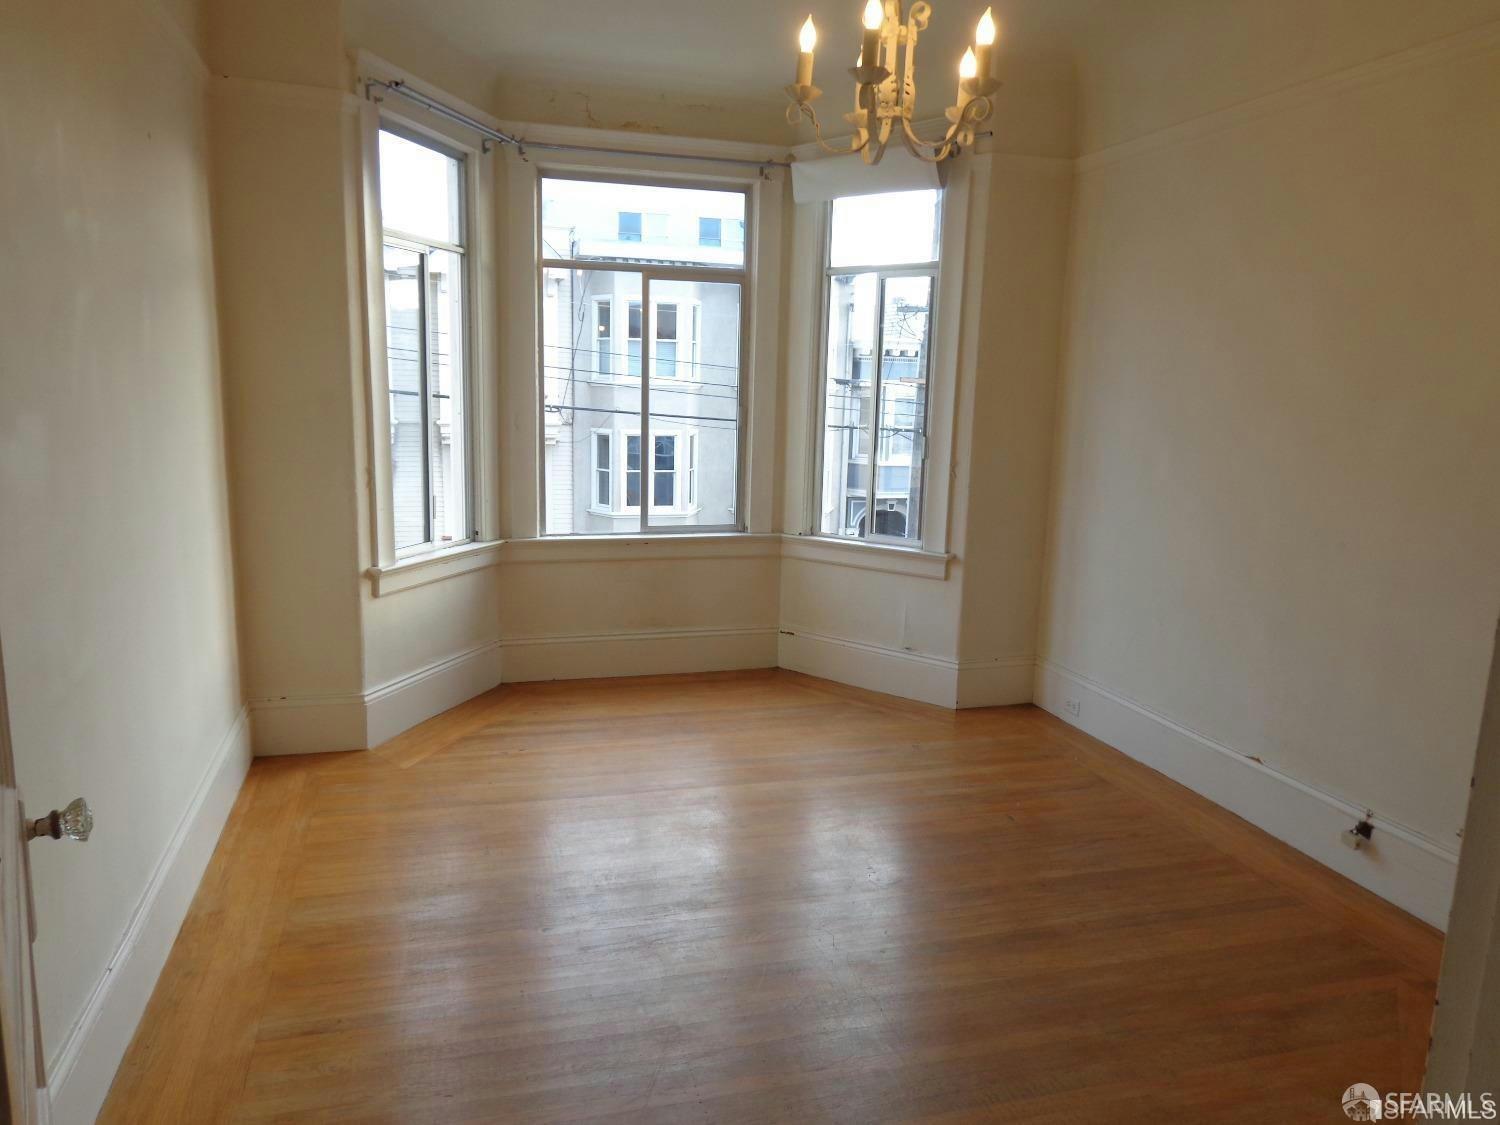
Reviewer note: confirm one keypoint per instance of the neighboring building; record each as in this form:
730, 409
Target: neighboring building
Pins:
852, 347
597, 340
404, 359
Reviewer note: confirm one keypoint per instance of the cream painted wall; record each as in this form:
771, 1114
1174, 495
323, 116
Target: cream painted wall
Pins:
1015, 393
550, 599
286, 268
288, 196
1275, 519
292, 42
116, 597
1149, 64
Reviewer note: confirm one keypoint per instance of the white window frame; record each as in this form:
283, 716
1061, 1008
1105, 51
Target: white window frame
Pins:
604, 301
692, 471
744, 276
871, 461
386, 563
693, 320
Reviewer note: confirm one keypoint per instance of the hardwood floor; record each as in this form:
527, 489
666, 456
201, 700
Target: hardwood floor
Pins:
759, 897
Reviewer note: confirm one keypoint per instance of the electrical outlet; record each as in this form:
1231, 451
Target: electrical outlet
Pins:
1073, 707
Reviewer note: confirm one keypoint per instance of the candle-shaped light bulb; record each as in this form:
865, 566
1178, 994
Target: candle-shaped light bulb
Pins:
869, 47
984, 42
966, 70
870, 42
984, 31
807, 39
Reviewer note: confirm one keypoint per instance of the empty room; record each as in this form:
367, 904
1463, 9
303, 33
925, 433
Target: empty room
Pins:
699, 561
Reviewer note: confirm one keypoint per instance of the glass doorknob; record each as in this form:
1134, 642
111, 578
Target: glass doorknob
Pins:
75, 822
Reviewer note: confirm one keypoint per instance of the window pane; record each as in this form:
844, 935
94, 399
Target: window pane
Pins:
633, 471
603, 468
710, 232
847, 405
903, 405
420, 190
404, 358
585, 219
664, 472
580, 396
695, 398
896, 228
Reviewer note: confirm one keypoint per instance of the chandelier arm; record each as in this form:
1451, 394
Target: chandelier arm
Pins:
959, 134
920, 147
811, 114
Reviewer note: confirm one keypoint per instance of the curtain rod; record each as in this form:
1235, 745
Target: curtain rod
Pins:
437, 107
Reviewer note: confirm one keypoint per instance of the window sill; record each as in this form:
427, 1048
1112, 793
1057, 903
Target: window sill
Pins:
419, 570
616, 548
911, 561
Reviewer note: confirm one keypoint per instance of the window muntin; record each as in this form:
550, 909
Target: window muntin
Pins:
877, 349
663, 317
426, 327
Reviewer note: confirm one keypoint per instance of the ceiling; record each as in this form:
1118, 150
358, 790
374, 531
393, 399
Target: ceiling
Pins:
717, 67
711, 48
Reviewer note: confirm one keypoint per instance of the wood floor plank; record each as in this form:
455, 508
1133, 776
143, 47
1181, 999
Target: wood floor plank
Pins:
762, 898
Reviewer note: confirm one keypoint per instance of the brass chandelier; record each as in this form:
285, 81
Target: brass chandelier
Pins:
885, 85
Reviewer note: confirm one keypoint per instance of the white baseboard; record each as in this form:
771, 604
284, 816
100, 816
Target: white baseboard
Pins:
403, 703
1399, 864
649, 653
318, 724
80, 1073
917, 676
910, 675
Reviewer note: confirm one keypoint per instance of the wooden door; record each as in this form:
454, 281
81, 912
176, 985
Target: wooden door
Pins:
20, 1029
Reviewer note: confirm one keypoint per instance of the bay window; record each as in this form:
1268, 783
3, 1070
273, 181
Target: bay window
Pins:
880, 280
665, 323
423, 225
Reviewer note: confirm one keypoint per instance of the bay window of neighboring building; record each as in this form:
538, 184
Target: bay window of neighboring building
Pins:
880, 279
617, 472
642, 297
424, 248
